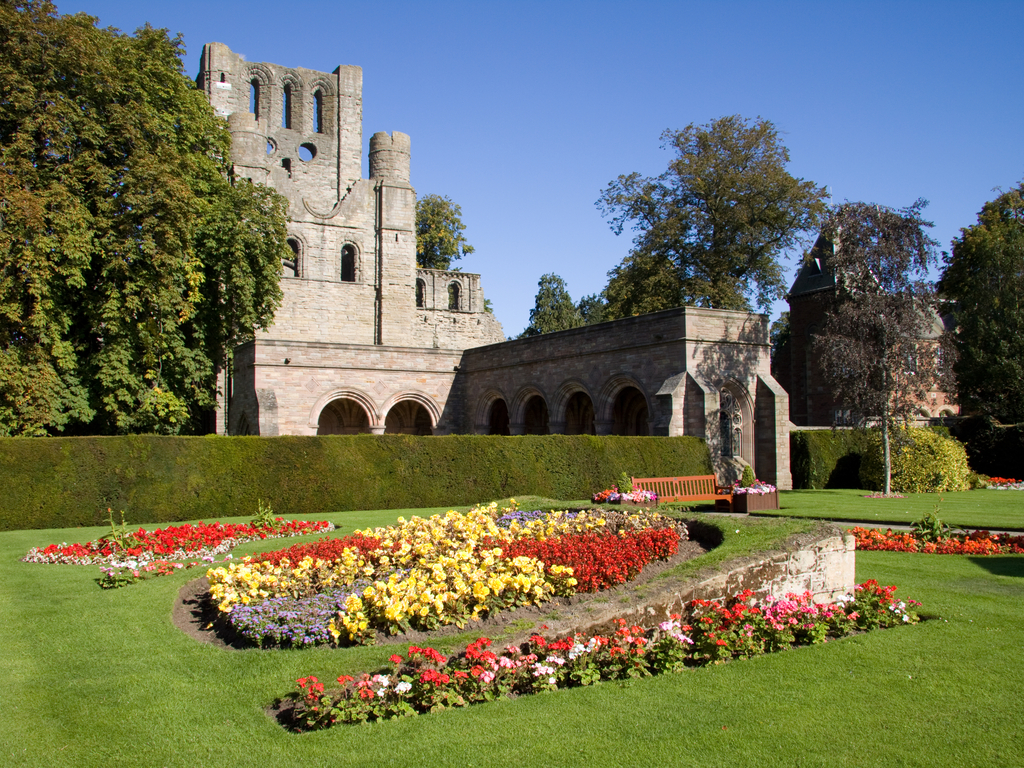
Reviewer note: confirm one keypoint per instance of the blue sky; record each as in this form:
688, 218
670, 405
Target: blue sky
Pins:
522, 112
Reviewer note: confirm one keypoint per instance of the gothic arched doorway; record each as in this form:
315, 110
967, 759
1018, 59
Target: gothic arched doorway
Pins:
535, 416
579, 415
343, 417
407, 417
629, 413
498, 419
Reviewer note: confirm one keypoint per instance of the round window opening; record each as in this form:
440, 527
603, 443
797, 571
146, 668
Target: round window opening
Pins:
307, 152
271, 147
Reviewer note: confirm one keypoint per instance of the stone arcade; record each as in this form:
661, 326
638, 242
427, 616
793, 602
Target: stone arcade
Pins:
365, 341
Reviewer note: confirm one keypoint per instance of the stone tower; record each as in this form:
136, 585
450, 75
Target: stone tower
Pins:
352, 280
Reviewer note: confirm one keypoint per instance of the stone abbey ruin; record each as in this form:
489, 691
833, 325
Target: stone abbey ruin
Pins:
364, 341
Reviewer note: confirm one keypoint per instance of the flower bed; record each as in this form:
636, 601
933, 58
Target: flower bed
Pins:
1005, 484
176, 542
425, 681
614, 496
975, 543
422, 574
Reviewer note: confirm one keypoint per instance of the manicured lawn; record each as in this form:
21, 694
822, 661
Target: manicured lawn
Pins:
103, 678
999, 510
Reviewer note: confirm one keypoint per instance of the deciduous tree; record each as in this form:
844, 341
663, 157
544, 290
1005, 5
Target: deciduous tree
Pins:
984, 277
877, 347
711, 229
439, 228
129, 265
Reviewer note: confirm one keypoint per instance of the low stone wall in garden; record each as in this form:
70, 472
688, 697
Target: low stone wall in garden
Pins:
821, 562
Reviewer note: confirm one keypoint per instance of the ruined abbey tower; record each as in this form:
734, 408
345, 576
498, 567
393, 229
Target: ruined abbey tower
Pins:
363, 340
366, 342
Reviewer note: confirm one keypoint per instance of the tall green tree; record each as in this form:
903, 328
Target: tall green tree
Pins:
553, 309
984, 278
711, 229
878, 344
439, 233
129, 264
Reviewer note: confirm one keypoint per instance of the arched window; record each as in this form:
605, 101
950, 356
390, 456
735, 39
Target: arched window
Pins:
348, 264
421, 294
318, 111
254, 97
290, 267
454, 296
286, 113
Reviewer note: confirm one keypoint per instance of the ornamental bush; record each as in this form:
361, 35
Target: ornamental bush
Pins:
922, 462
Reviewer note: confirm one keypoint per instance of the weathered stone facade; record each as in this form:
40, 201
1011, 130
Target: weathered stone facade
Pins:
366, 342
349, 326
685, 371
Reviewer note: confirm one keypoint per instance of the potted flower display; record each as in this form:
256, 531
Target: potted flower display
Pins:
755, 497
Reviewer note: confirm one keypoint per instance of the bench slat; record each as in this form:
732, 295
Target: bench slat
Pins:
694, 488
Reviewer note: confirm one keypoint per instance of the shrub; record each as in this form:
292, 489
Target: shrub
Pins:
826, 458
747, 479
922, 462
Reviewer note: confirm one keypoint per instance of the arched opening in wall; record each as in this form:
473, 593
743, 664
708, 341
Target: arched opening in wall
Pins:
348, 264
343, 417
286, 108
318, 111
629, 413
407, 417
535, 416
421, 294
498, 420
290, 267
579, 415
243, 429
254, 97
454, 296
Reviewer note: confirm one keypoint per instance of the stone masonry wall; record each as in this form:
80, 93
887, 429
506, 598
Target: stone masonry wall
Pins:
822, 563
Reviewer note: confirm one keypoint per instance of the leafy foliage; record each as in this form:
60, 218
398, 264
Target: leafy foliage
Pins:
439, 228
711, 229
922, 462
128, 262
68, 482
984, 277
553, 309
874, 348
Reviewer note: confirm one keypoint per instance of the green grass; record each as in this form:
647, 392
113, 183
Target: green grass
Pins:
997, 510
98, 678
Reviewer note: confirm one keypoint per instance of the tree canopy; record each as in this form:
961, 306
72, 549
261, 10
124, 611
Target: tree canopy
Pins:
984, 278
553, 309
439, 228
878, 347
129, 264
712, 228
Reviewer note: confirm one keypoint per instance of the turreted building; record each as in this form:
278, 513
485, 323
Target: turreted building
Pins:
366, 342
363, 341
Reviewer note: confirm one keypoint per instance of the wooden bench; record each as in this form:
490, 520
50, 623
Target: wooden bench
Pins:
696, 488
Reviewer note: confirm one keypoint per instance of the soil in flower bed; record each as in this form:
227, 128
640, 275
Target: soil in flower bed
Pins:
194, 613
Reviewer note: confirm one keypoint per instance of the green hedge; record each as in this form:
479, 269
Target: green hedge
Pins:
993, 449
65, 482
827, 459
832, 459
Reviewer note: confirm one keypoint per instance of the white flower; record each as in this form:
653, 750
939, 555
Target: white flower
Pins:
403, 687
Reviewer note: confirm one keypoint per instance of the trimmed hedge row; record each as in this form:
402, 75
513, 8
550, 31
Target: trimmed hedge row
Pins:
993, 449
826, 458
65, 482
832, 459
